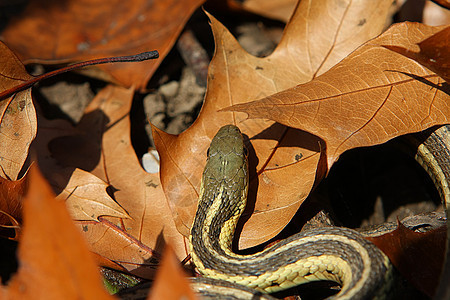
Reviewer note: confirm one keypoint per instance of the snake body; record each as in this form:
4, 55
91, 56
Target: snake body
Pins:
331, 253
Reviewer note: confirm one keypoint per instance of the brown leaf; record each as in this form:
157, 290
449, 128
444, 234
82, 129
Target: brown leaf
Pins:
435, 12
278, 10
128, 253
55, 32
17, 116
85, 194
170, 282
418, 256
11, 197
54, 260
433, 54
101, 145
311, 44
370, 97
443, 3
86, 197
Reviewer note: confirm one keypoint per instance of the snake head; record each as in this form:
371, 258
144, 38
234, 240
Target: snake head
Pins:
227, 157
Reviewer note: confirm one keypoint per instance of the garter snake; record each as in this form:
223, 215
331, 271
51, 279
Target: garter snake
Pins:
337, 254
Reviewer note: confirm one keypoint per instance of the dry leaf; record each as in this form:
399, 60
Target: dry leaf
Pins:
53, 32
128, 252
278, 10
54, 260
433, 54
85, 194
101, 145
311, 44
369, 98
418, 256
18, 117
435, 12
170, 282
86, 197
11, 197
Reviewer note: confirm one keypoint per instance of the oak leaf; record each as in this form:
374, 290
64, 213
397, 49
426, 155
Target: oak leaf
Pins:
87, 198
100, 144
55, 32
370, 97
85, 194
404, 247
311, 44
171, 282
11, 199
18, 123
55, 262
278, 10
433, 54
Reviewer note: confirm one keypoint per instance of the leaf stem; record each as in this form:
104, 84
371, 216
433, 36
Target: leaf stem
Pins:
129, 58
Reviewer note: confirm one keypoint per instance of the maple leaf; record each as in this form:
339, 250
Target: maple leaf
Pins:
277, 154
84, 29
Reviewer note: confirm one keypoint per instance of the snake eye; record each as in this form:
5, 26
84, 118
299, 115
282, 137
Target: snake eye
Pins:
207, 153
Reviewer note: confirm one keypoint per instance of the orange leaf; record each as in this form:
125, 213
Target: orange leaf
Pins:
86, 197
11, 197
418, 256
129, 253
85, 29
55, 262
368, 98
101, 145
170, 282
434, 53
279, 10
311, 44
17, 116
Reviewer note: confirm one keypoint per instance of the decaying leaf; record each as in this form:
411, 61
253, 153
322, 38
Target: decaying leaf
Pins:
17, 116
55, 262
128, 254
311, 44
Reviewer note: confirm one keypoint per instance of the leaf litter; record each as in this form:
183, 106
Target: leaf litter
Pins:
146, 222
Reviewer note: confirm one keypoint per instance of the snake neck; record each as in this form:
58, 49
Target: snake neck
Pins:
217, 217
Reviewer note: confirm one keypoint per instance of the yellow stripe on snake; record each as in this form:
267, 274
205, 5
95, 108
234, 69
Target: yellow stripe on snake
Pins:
337, 254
